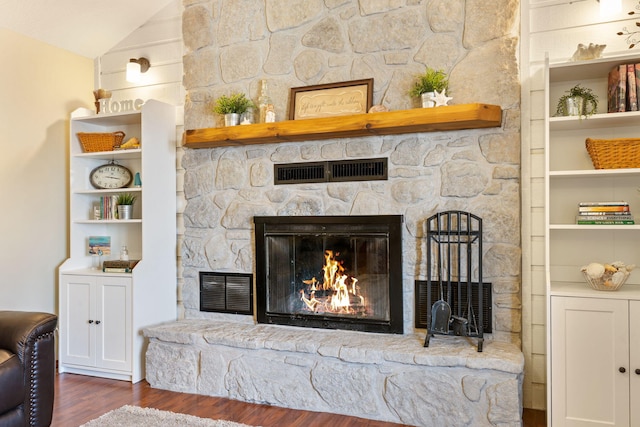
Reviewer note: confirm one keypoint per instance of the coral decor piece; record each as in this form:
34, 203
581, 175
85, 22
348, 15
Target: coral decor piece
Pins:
632, 37
583, 52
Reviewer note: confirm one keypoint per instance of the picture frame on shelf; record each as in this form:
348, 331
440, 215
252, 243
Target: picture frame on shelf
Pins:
99, 245
331, 99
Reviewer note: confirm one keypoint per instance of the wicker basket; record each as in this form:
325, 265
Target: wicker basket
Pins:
604, 283
92, 142
614, 153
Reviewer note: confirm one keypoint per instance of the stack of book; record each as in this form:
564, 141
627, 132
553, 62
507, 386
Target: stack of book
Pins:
604, 213
624, 87
106, 208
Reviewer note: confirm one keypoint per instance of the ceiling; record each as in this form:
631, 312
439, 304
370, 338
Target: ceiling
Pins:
86, 27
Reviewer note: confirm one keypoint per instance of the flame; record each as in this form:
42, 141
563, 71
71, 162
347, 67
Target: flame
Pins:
342, 288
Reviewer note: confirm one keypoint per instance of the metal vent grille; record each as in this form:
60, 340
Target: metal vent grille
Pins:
421, 301
226, 292
331, 171
300, 172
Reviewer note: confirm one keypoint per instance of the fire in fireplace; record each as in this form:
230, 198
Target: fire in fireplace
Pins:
335, 272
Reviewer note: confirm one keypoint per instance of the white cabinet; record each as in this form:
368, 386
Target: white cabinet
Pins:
102, 314
594, 362
97, 321
585, 327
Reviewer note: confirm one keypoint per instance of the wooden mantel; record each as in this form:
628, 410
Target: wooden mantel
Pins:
453, 117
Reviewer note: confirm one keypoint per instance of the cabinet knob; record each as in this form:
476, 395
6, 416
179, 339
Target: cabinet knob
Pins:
622, 370
97, 322
90, 321
637, 371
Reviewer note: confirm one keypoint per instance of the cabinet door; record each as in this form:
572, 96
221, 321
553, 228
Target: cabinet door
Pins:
634, 365
77, 320
589, 346
113, 344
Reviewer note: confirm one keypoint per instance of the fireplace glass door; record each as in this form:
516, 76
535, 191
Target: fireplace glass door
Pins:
330, 272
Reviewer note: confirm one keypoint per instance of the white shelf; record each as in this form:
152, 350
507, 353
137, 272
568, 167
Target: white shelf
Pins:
97, 192
596, 121
134, 153
590, 227
582, 289
108, 221
95, 272
582, 70
594, 173
111, 119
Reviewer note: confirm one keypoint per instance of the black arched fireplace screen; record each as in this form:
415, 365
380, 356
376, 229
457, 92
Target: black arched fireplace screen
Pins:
334, 272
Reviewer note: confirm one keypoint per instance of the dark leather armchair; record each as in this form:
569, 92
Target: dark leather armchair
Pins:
27, 368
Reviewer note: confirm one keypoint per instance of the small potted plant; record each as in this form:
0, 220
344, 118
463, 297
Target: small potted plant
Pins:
231, 107
125, 203
427, 84
577, 101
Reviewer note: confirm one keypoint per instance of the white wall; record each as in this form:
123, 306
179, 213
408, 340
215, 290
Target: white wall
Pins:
40, 86
556, 27
160, 41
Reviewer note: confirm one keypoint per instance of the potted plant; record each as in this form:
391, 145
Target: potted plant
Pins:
427, 84
577, 101
231, 107
125, 203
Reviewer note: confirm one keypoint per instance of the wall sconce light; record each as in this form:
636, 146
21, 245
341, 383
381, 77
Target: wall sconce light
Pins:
135, 68
610, 7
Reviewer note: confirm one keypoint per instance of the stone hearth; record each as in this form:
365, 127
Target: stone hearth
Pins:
375, 376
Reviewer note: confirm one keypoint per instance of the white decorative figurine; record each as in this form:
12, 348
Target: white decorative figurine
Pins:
441, 98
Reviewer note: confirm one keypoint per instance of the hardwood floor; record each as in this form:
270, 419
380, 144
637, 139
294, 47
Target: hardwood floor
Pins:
81, 398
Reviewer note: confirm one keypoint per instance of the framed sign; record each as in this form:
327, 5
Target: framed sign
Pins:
331, 99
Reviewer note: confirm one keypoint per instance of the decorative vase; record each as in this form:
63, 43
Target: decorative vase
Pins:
427, 102
124, 211
575, 106
231, 119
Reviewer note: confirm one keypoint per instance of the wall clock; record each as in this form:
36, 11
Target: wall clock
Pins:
111, 175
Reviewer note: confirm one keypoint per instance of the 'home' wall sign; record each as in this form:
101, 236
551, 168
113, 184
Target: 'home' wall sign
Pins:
109, 106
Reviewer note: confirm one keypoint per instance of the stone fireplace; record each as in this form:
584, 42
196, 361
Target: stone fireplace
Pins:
314, 42
229, 46
335, 272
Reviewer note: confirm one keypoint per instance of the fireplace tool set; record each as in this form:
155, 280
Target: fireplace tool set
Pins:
454, 258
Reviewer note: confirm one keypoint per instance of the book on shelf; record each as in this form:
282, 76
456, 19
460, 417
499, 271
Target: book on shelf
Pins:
119, 266
603, 213
632, 95
614, 203
626, 217
118, 263
604, 208
116, 270
605, 222
637, 79
617, 89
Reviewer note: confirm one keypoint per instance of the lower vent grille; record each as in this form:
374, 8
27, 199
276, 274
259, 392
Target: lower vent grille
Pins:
331, 171
226, 292
421, 301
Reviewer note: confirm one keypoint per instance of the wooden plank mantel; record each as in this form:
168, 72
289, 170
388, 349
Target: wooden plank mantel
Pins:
452, 117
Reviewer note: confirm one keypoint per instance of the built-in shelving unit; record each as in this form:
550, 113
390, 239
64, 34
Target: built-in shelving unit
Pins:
593, 355
102, 314
446, 118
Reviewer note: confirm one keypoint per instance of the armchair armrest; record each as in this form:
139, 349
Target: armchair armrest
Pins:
31, 336
19, 329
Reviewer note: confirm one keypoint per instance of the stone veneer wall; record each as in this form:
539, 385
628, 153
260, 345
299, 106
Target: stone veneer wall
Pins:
231, 44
